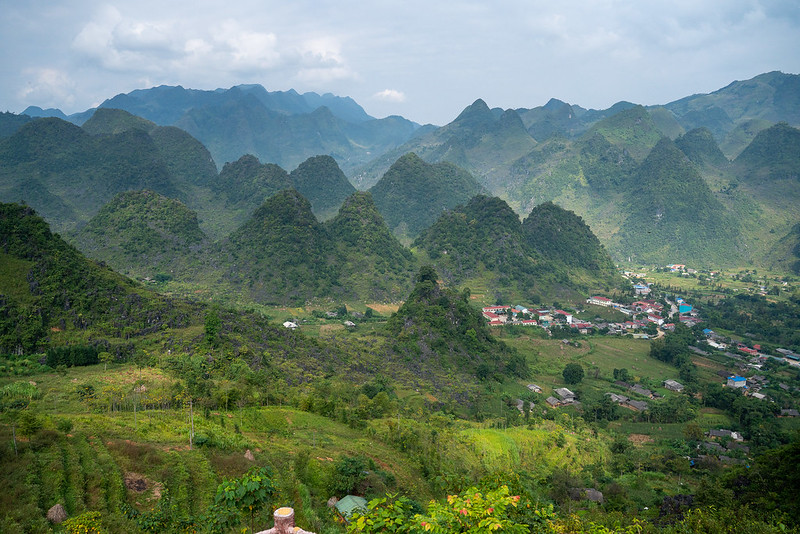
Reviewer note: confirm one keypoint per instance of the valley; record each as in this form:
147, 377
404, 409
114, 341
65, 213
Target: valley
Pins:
556, 320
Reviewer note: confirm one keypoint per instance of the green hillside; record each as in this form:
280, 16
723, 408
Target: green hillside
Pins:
482, 235
439, 331
141, 233
75, 173
323, 183
48, 287
562, 237
701, 148
281, 254
672, 215
413, 193
373, 263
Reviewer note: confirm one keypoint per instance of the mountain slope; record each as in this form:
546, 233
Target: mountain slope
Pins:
81, 171
281, 254
142, 233
47, 287
437, 329
323, 183
673, 215
372, 261
412, 193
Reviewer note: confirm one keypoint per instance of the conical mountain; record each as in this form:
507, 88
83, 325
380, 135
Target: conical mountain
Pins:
483, 235
144, 234
323, 183
49, 289
632, 129
773, 154
246, 183
701, 148
282, 254
82, 171
438, 329
372, 261
673, 215
112, 121
188, 161
559, 235
413, 193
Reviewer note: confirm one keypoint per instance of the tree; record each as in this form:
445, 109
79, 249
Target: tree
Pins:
105, 357
573, 373
246, 495
212, 327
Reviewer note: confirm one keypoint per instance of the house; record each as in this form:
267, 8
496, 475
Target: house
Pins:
724, 433
759, 396
567, 315
636, 405
552, 401
599, 301
636, 388
529, 322
582, 328
655, 319
289, 324
534, 388
565, 394
673, 385
737, 381
349, 324
619, 399
641, 289
747, 350
789, 413
684, 308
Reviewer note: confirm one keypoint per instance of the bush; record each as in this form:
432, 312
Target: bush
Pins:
573, 373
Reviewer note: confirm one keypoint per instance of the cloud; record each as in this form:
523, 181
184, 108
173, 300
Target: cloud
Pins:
390, 95
47, 87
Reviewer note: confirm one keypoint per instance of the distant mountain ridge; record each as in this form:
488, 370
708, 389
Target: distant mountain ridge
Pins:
587, 161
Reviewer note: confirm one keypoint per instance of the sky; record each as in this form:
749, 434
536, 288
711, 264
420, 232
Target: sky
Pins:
424, 60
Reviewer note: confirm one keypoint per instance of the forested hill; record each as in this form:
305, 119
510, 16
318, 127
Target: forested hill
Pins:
562, 237
323, 183
372, 261
552, 254
413, 193
672, 213
142, 233
282, 252
439, 331
46, 285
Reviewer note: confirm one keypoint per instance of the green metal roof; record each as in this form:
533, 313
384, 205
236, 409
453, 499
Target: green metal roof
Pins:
347, 505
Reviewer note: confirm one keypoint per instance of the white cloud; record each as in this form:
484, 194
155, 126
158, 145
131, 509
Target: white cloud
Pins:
390, 95
47, 88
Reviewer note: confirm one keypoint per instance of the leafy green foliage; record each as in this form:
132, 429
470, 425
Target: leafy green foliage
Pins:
282, 253
145, 233
238, 497
365, 245
65, 291
573, 373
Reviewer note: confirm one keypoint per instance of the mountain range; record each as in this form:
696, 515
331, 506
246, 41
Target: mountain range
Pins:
707, 180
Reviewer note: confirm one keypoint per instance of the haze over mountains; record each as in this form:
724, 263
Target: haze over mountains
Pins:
708, 179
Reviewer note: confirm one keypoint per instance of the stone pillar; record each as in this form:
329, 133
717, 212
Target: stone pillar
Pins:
284, 523
284, 520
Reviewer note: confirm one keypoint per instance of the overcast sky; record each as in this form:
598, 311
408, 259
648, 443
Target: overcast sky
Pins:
424, 60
